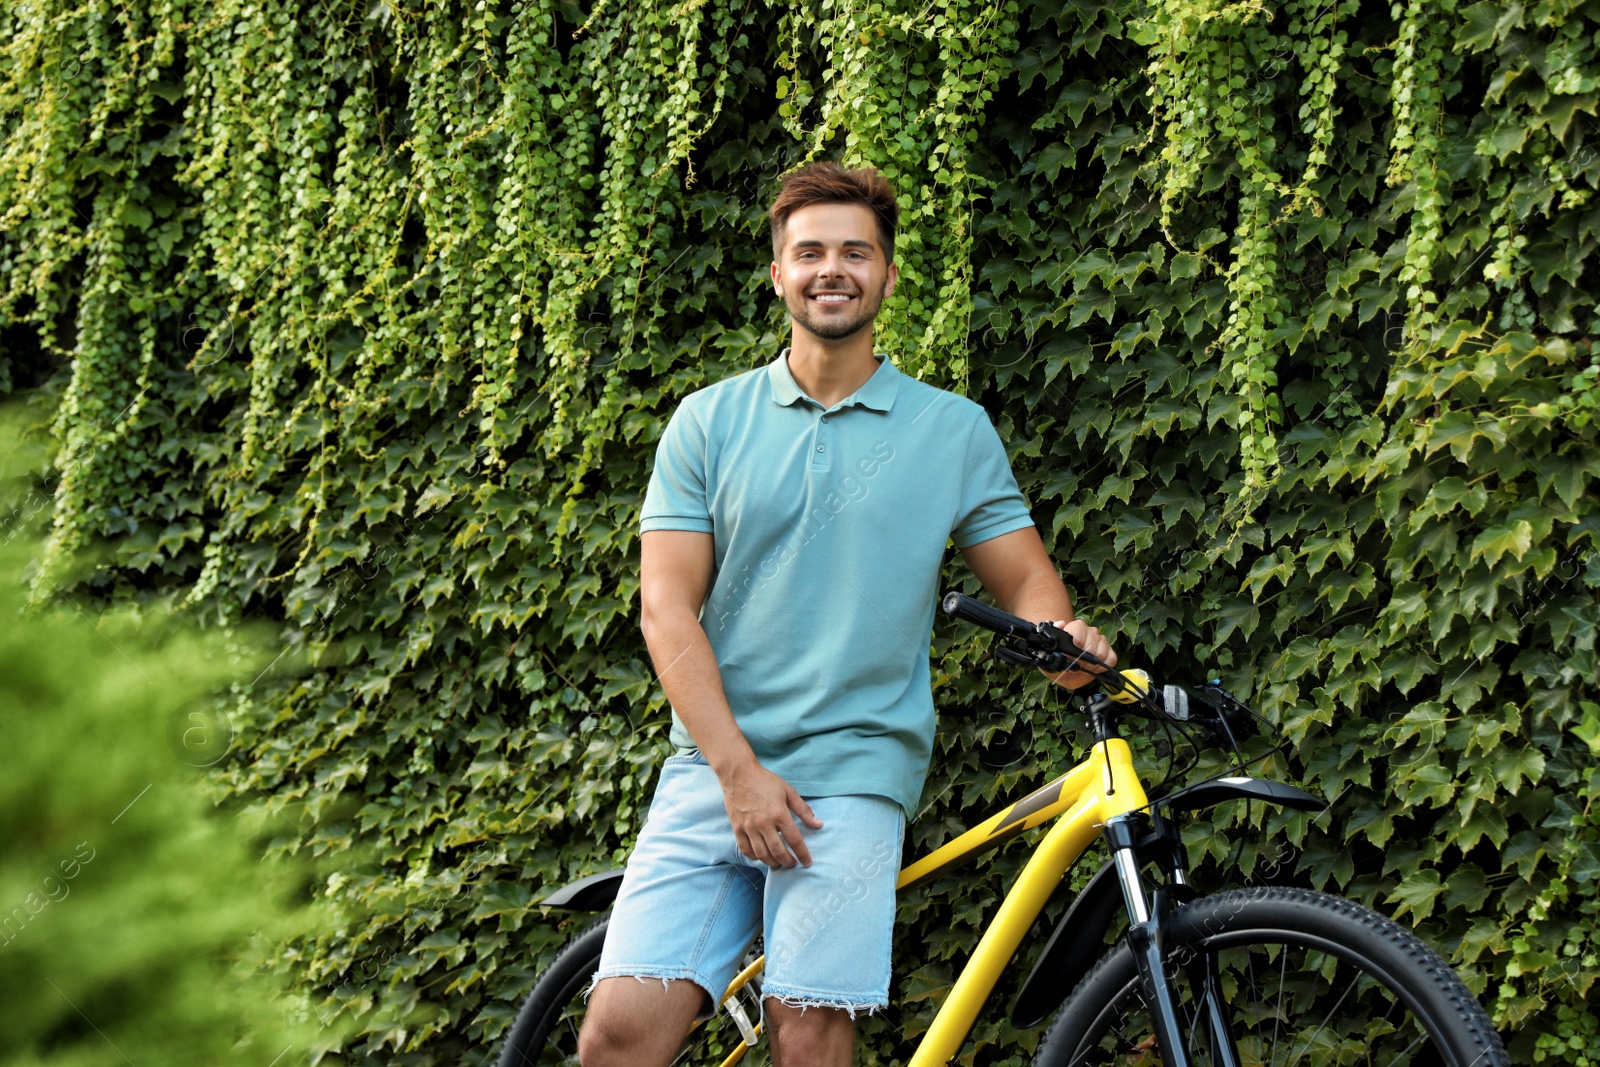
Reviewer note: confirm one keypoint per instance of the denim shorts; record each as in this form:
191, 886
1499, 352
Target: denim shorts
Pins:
690, 904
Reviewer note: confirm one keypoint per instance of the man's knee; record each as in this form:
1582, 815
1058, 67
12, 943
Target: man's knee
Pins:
634, 1023
810, 1036
604, 1038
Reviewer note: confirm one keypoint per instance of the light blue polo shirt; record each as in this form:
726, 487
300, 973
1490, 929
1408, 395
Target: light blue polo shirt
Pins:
829, 528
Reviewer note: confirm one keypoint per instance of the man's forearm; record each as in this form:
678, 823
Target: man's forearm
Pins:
687, 668
764, 812
1041, 599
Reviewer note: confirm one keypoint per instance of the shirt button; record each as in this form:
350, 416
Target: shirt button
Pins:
822, 448
824, 418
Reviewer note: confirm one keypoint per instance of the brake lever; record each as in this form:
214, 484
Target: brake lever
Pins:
1024, 656
1013, 655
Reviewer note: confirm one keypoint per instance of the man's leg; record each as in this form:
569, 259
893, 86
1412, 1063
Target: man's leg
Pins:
630, 1023
810, 1037
688, 907
829, 929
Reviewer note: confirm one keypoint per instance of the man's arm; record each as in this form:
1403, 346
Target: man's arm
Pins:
675, 568
1017, 572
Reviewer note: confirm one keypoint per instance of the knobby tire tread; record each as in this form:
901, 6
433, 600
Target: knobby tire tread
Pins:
1441, 993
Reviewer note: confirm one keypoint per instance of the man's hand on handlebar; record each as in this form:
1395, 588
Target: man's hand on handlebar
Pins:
1091, 641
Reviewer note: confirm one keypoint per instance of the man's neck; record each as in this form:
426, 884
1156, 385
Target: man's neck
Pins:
828, 373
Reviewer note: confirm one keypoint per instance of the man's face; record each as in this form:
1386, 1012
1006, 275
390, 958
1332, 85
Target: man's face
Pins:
832, 273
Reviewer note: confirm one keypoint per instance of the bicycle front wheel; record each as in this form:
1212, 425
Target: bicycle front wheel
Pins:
1292, 977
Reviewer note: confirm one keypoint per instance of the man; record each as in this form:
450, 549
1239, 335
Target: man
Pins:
793, 531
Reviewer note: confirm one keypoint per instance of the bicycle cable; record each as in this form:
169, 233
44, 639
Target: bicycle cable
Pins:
1170, 727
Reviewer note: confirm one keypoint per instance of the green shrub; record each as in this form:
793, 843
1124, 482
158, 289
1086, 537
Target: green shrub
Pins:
134, 915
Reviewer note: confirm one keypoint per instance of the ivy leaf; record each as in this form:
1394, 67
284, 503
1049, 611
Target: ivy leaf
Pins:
1456, 430
1184, 265
1416, 894
631, 679
1514, 766
136, 216
1452, 493
1237, 614
1514, 538
1478, 29
1052, 158
1588, 730
1504, 141
1568, 475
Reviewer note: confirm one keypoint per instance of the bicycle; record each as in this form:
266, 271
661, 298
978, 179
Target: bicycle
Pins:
1234, 979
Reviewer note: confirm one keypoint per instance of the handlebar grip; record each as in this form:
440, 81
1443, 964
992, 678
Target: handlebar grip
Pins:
1052, 649
976, 611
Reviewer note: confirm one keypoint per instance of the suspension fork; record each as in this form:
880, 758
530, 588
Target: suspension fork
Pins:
1146, 937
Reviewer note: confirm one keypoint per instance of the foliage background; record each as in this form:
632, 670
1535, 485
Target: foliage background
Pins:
363, 318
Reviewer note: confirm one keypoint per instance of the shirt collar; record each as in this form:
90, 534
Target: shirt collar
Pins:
877, 392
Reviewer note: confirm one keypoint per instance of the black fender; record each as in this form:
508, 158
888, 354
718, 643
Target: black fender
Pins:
1079, 938
1216, 790
1074, 945
593, 893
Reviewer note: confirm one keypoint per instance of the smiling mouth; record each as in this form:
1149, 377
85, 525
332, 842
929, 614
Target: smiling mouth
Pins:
829, 299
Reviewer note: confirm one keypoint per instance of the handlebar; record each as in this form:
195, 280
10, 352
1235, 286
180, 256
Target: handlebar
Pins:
1044, 646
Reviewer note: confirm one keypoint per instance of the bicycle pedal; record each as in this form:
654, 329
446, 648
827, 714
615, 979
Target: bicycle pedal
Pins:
741, 1019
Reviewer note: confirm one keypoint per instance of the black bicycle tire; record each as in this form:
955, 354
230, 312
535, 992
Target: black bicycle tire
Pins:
554, 989
1376, 946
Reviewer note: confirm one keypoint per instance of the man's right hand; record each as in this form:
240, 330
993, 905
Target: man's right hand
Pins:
763, 809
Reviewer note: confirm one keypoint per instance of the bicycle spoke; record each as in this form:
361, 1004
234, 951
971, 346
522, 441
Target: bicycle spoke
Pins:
1276, 1005
1323, 1025
1411, 1048
1277, 1020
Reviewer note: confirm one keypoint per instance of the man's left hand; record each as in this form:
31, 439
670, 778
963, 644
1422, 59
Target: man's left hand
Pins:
1091, 641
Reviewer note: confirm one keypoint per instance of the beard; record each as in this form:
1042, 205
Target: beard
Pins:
830, 326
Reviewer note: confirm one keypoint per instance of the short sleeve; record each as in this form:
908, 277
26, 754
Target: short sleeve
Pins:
991, 504
676, 497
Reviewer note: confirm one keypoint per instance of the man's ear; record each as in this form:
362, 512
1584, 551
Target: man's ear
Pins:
776, 283
889, 279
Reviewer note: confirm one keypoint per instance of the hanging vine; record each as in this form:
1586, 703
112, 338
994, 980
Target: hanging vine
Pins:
1418, 112
1211, 52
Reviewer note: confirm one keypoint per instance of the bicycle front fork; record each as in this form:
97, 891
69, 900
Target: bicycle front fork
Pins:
1146, 916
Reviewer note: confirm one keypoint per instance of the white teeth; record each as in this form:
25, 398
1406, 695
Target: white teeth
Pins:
831, 298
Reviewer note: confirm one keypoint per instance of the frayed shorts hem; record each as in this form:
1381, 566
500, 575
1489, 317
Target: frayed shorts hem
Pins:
791, 997
665, 975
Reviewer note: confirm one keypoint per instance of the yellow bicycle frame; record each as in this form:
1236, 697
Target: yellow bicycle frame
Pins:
1102, 787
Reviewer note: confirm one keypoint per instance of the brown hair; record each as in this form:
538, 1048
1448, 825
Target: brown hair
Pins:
825, 182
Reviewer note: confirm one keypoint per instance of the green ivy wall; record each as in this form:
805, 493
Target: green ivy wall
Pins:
363, 318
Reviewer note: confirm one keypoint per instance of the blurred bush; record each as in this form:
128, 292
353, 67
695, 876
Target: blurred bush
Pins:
130, 908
